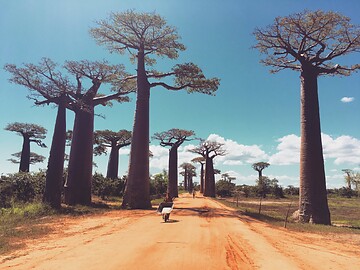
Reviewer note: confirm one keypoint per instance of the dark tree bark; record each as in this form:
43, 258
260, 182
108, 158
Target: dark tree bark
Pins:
25, 154
313, 203
113, 163
173, 172
202, 176
78, 183
186, 186
137, 191
54, 175
209, 187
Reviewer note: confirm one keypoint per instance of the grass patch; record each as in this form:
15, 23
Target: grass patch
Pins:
344, 212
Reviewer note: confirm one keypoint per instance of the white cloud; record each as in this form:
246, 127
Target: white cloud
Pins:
347, 99
343, 149
288, 151
238, 154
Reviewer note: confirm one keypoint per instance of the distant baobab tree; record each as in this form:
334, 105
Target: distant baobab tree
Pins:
144, 36
189, 171
114, 140
173, 138
30, 133
309, 42
209, 150
259, 167
201, 161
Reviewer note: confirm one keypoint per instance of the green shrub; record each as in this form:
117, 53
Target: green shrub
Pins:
21, 187
224, 188
104, 187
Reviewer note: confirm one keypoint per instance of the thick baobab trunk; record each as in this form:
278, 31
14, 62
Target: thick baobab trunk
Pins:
202, 178
209, 187
78, 184
191, 184
137, 190
25, 155
113, 164
54, 175
173, 172
313, 205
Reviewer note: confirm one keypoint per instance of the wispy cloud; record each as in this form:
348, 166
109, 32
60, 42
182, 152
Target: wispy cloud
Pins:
347, 99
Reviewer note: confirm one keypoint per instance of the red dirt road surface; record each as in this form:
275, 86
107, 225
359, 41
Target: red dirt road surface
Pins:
201, 234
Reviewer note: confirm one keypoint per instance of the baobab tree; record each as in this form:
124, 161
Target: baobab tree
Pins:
189, 171
30, 133
209, 150
115, 141
34, 158
200, 160
259, 167
48, 84
173, 138
310, 42
144, 35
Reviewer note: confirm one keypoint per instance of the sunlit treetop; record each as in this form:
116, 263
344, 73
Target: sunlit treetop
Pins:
209, 149
312, 39
47, 80
107, 138
32, 131
147, 32
173, 136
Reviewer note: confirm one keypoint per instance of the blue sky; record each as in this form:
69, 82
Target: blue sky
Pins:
255, 113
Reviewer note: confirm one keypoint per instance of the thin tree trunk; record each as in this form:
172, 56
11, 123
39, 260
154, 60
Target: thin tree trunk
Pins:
78, 184
173, 172
202, 178
55, 171
313, 205
209, 189
186, 187
113, 163
25, 155
137, 191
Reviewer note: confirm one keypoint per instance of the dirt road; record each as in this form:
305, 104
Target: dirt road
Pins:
201, 234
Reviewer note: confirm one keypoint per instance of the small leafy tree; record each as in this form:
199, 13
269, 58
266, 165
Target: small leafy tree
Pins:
224, 187
158, 183
30, 133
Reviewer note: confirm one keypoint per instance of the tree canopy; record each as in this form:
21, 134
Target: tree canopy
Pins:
312, 38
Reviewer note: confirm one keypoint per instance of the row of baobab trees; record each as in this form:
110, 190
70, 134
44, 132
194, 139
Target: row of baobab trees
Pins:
308, 42
107, 139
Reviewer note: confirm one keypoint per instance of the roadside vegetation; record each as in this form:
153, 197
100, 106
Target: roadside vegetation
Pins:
281, 210
24, 215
